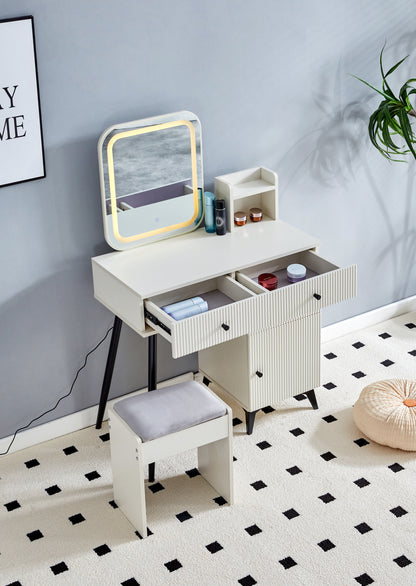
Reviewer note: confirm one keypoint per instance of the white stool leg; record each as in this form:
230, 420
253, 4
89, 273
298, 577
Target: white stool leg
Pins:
128, 473
215, 463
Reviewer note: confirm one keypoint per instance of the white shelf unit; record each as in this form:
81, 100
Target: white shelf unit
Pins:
251, 188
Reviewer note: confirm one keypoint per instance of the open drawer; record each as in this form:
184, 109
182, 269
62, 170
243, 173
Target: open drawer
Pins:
325, 284
229, 315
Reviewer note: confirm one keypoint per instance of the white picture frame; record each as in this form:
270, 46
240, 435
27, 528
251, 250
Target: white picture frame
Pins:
21, 140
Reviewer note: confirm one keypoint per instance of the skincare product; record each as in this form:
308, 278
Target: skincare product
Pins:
268, 281
220, 220
256, 214
296, 272
240, 218
190, 311
182, 304
209, 212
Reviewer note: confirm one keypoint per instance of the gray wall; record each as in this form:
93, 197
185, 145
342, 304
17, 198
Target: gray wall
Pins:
269, 81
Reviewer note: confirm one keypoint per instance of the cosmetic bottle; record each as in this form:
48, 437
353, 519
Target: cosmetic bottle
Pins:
296, 272
182, 304
209, 212
220, 220
190, 311
240, 218
256, 214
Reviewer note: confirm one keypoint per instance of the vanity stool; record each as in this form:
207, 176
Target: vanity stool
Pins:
156, 425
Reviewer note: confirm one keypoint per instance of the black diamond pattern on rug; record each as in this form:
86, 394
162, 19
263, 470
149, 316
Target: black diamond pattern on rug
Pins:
102, 550
328, 456
236, 421
51, 490
293, 470
157, 487
264, 445
220, 500
410, 325
130, 582
76, 519
258, 485
358, 345
173, 565
69, 450
361, 442
291, 514
402, 561
59, 568
329, 418
358, 374
253, 530
92, 475
326, 498
364, 580
396, 467
326, 545
247, 581
361, 482
214, 547
330, 356
184, 516
12, 506
32, 463
287, 563
329, 386
398, 511
297, 431
192, 473
35, 535
363, 528
385, 335
387, 362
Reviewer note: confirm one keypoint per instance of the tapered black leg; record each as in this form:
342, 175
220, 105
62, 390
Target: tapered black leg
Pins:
152, 382
206, 381
109, 367
250, 417
312, 398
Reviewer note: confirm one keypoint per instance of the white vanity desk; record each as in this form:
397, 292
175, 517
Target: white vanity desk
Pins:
261, 346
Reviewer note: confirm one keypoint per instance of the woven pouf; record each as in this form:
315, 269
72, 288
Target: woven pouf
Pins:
386, 413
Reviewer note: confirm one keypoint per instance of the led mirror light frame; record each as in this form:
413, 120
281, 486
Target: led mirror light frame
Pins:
106, 151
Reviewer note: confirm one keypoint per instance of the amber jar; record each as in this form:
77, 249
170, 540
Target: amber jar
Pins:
240, 218
256, 214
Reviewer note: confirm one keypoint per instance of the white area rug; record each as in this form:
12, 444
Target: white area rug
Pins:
316, 502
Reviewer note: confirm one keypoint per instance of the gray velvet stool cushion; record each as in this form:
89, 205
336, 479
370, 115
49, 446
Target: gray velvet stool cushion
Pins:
164, 411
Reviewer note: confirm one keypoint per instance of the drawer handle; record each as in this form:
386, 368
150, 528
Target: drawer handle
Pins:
317, 296
259, 374
225, 327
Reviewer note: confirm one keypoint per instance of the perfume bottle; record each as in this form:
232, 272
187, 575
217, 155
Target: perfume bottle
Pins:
220, 220
182, 304
209, 212
190, 311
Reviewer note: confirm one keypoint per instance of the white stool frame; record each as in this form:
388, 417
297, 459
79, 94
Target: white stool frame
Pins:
129, 456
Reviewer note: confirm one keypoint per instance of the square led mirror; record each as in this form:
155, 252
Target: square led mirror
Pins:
151, 179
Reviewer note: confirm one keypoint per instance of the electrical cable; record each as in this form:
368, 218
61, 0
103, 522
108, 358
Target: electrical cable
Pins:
61, 398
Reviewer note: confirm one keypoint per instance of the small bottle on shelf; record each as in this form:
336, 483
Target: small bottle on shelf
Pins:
220, 219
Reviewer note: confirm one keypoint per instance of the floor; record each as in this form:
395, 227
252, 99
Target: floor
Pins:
316, 501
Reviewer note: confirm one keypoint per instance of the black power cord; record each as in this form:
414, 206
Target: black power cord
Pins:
61, 398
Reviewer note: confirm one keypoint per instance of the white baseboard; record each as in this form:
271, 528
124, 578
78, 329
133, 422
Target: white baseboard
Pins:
371, 318
72, 422
87, 417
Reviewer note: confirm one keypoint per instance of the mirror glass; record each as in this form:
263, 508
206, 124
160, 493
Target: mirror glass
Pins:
151, 179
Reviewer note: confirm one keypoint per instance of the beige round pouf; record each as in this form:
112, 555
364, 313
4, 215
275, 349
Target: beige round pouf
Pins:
386, 413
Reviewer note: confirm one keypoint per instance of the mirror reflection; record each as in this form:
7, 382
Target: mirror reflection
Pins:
151, 179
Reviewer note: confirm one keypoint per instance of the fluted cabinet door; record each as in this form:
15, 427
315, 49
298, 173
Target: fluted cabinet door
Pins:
284, 361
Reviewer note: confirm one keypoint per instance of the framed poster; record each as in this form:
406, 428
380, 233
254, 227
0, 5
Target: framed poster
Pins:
21, 142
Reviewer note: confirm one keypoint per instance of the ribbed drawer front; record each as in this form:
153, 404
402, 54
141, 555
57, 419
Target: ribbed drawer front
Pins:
304, 298
284, 361
206, 329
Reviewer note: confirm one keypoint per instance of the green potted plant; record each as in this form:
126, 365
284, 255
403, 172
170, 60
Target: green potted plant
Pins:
392, 119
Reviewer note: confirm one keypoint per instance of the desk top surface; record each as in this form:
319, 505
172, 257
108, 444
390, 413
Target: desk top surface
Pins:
176, 262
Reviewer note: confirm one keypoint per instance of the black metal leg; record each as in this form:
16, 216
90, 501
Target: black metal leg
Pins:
250, 417
206, 381
312, 398
151, 383
109, 367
